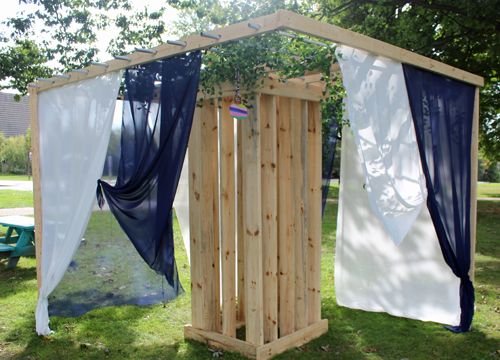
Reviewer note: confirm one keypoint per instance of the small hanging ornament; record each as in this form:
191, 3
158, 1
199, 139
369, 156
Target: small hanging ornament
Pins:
237, 110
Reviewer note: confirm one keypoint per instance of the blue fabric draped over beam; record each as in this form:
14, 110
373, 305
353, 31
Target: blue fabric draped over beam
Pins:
156, 126
442, 111
330, 132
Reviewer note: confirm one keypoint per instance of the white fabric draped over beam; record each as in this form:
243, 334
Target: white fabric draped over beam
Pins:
74, 124
372, 274
380, 118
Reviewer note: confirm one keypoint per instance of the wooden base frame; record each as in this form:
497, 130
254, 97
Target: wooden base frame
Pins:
261, 352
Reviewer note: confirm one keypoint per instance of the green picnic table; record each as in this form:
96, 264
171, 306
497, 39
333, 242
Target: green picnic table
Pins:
19, 239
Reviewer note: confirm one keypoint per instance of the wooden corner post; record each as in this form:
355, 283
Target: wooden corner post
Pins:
473, 190
37, 191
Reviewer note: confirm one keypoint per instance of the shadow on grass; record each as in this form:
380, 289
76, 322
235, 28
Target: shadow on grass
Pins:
156, 332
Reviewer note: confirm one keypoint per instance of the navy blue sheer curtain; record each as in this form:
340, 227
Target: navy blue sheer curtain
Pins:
330, 131
442, 111
159, 104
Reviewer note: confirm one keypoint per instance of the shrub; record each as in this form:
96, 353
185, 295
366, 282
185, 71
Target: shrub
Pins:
14, 153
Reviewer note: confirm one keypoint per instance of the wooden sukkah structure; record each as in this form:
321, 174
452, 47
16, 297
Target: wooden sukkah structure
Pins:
266, 215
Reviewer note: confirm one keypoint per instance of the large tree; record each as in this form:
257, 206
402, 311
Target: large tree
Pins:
461, 33
59, 35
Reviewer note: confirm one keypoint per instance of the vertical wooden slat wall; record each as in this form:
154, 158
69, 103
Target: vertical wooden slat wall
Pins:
271, 228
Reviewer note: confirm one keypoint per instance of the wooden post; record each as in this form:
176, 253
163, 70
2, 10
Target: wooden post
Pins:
240, 231
473, 190
314, 173
215, 169
228, 246
201, 212
252, 224
300, 151
269, 215
286, 249
37, 189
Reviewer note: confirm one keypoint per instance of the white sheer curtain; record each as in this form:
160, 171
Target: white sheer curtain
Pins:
181, 205
372, 274
380, 118
74, 127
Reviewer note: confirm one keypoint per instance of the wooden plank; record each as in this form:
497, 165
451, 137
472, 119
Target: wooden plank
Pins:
37, 189
269, 214
473, 194
286, 250
219, 341
281, 20
215, 172
272, 86
314, 173
228, 246
268, 23
240, 231
252, 223
322, 30
207, 231
300, 154
195, 216
296, 339
203, 296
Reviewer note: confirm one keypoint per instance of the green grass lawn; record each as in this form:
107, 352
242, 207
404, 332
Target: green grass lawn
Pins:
12, 177
488, 190
15, 199
483, 190
156, 331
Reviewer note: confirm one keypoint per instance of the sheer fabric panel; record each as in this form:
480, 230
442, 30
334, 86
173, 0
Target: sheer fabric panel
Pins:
443, 111
380, 118
372, 274
74, 127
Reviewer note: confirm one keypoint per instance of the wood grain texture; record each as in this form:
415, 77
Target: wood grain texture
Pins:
473, 195
37, 188
203, 296
314, 173
252, 223
195, 216
269, 173
300, 196
268, 23
286, 249
227, 203
322, 30
296, 339
240, 231
220, 341
215, 183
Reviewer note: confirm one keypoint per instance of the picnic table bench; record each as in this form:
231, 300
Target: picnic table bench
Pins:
19, 239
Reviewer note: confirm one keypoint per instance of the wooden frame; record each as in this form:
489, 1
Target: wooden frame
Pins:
277, 185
